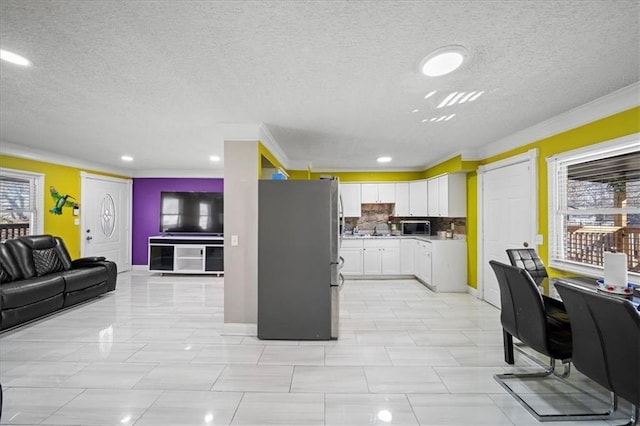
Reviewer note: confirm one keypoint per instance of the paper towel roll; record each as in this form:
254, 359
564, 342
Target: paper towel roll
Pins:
615, 269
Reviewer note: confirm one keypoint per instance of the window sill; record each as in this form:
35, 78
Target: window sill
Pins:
588, 271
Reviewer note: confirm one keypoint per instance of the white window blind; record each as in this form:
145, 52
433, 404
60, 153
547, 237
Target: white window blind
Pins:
594, 206
19, 204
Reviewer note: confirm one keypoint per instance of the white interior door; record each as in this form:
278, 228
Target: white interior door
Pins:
106, 219
509, 217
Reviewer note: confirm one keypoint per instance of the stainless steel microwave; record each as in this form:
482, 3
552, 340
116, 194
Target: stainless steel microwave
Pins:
415, 227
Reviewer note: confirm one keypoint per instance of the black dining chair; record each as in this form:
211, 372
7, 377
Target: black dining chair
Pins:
528, 259
524, 316
606, 342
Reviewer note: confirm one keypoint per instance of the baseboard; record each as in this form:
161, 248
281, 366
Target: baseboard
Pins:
472, 291
239, 329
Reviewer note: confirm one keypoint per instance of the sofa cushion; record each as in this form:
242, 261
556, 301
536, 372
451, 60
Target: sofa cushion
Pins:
25, 292
46, 261
78, 279
4, 276
9, 269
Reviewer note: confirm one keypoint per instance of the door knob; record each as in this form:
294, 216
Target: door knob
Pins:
526, 244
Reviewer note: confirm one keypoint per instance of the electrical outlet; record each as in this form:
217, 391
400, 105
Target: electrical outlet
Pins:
539, 239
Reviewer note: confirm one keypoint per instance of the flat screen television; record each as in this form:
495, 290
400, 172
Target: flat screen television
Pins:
191, 212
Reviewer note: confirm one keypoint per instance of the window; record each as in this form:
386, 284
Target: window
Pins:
21, 203
594, 206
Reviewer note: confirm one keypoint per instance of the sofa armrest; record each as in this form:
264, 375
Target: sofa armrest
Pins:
87, 261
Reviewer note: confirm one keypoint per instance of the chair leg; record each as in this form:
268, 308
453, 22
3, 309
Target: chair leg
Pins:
507, 341
550, 370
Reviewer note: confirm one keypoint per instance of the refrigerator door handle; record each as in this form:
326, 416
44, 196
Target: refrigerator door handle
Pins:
342, 220
341, 281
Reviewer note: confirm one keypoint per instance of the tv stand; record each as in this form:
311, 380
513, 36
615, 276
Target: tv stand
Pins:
188, 254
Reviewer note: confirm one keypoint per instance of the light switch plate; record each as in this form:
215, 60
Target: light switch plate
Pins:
234, 240
539, 239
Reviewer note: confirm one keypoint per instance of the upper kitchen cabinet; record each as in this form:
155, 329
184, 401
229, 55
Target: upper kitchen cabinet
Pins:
373, 193
418, 198
402, 199
448, 195
351, 201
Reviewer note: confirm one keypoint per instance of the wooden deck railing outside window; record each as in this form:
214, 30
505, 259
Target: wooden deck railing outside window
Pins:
587, 244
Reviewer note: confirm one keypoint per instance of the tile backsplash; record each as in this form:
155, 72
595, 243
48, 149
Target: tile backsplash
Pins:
378, 215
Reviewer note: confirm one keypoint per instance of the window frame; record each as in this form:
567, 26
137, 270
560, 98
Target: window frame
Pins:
37, 227
555, 234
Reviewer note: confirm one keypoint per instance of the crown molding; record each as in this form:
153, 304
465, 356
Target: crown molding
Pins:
274, 148
21, 151
179, 173
621, 100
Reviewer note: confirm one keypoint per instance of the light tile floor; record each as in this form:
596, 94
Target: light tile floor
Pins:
152, 353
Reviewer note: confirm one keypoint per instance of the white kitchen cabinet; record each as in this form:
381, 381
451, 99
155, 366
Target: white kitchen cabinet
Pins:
448, 195
351, 201
402, 199
448, 266
422, 261
373, 193
407, 247
433, 203
352, 253
372, 261
381, 256
418, 198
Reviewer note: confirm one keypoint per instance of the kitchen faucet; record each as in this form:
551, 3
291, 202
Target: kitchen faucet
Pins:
375, 230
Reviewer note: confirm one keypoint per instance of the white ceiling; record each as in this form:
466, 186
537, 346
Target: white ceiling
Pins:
333, 82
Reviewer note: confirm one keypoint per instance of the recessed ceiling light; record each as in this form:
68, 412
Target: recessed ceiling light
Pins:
383, 159
126, 158
14, 58
415, 110
443, 61
214, 158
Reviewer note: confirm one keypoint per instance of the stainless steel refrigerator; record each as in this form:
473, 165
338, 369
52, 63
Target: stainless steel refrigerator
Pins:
298, 260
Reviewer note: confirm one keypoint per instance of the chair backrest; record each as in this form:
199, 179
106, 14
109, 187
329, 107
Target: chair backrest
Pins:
528, 259
37, 255
522, 309
606, 339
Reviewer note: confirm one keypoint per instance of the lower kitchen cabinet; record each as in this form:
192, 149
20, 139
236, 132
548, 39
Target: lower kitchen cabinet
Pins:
448, 266
407, 247
352, 253
381, 257
440, 264
422, 261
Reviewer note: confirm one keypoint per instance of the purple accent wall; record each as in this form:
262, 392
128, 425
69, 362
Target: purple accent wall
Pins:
146, 207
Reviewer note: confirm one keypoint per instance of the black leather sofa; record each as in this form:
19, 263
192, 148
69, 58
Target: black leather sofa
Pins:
37, 277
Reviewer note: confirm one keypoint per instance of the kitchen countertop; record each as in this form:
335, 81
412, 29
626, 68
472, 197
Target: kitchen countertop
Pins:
415, 237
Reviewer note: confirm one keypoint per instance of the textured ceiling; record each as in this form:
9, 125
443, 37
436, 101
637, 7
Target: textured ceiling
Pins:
334, 82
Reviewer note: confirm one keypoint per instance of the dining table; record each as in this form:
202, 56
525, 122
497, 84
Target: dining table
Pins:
591, 284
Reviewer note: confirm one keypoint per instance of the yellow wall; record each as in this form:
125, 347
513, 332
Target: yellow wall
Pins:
67, 181
264, 152
608, 128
